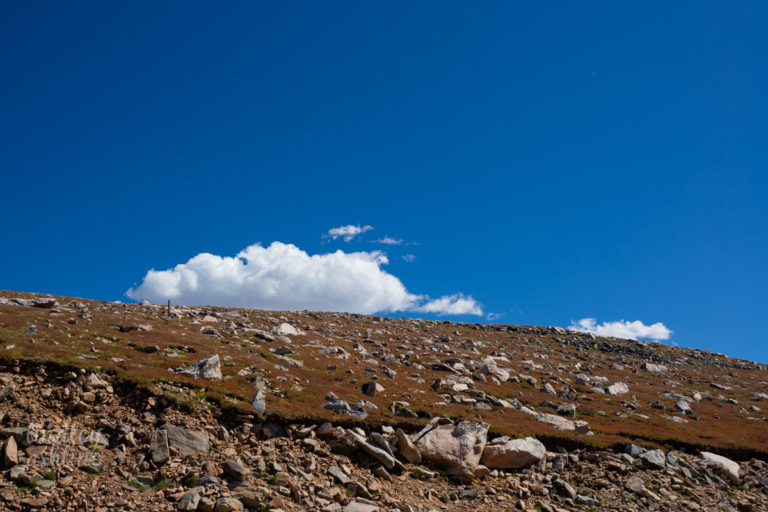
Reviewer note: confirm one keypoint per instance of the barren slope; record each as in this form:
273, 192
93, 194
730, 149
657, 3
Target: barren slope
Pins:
260, 425
340, 352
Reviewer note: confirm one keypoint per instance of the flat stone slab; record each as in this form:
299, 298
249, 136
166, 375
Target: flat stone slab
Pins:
186, 441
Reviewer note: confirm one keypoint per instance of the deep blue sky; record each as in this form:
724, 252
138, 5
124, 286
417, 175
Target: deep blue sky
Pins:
554, 161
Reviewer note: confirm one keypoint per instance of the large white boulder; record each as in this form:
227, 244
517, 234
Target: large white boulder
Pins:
513, 454
617, 388
723, 465
286, 329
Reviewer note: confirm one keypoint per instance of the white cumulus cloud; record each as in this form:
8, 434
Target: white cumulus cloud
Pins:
623, 329
282, 276
348, 232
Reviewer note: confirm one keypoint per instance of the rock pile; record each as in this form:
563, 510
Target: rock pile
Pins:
130, 450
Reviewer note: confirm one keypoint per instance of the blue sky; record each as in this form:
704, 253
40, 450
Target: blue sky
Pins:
551, 162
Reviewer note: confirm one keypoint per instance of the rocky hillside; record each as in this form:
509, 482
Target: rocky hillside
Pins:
107, 406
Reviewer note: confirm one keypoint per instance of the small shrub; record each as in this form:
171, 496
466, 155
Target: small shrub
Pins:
137, 485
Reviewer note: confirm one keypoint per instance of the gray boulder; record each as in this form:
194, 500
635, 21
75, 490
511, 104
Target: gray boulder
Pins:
189, 501
208, 369
158, 447
656, 459
235, 470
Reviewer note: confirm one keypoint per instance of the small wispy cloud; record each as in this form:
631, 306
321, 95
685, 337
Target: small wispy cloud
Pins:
409, 258
457, 304
388, 241
623, 329
348, 232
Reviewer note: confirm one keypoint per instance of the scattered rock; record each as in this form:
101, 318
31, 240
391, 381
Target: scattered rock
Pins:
374, 451
357, 506
339, 475
684, 407
371, 388
6, 391
406, 448
37, 502
655, 459
207, 369
259, 401
189, 501
565, 489
235, 470
228, 505
10, 453
44, 302
633, 450
339, 406
159, 447
286, 329
617, 388
635, 484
